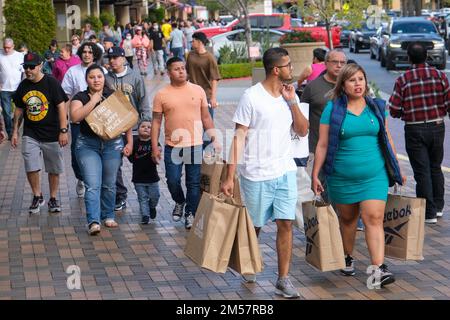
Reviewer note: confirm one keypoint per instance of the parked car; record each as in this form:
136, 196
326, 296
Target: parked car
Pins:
401, 32
345, 34
236, 40
359, 38
277, 21
376, 42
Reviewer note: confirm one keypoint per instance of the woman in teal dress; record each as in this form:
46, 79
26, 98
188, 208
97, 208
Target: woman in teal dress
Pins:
358, 183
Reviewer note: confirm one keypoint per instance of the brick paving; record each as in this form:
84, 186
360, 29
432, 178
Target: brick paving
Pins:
147, 262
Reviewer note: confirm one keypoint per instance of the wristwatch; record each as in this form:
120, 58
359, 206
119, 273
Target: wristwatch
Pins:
63, 130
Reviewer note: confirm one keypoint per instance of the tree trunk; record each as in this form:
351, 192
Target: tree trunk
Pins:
248, 33
330, 38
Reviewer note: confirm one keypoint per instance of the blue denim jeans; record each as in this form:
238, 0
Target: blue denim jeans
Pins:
148, 196
191, 157
99, 161
178, 52
74, 133
5, 100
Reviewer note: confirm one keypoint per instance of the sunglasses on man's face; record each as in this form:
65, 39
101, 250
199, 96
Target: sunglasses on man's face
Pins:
28, 66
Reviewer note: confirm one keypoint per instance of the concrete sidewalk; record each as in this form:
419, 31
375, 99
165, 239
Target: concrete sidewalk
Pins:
147, 262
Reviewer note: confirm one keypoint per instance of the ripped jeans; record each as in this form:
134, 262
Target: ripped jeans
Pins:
99, 161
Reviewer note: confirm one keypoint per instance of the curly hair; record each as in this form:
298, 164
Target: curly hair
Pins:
96, 51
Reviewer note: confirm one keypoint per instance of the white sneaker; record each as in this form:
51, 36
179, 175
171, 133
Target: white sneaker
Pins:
80, 189
431, 221
439, 214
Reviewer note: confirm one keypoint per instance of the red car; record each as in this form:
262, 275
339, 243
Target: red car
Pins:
277, 21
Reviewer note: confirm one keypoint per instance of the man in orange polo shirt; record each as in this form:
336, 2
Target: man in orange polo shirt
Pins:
185, 109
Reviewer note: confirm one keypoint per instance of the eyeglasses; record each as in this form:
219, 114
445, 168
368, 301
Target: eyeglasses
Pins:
29, 66
286, 65
88, 52
337, 62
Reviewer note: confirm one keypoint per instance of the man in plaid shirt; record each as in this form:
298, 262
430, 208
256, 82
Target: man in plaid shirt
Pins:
421, 98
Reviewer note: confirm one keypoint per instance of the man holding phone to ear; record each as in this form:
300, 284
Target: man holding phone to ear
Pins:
264, 118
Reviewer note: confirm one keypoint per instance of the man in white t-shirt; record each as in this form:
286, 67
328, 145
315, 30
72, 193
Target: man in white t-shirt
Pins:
264, 118
10, 76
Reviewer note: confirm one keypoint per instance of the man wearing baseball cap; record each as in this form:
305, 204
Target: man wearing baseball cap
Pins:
40, 99
130, 82
108, 42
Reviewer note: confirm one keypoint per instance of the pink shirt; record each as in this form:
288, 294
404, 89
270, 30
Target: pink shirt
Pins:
61, 66
317, 69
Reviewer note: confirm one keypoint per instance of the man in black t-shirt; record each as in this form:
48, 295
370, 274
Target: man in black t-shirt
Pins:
40, 99
157, 54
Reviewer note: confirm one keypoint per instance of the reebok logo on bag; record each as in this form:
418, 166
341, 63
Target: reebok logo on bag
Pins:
403, 225
390, 233
310, 243
395, 214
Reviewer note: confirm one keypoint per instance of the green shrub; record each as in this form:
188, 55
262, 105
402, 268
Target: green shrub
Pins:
106, 17
232, 54
30, 21
154, 15
94, 21
237, 70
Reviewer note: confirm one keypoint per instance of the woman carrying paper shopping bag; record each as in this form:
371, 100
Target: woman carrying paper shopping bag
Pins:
357, 154
99, 159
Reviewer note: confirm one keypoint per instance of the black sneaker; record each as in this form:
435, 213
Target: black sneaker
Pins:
177, 212
152, 213
53, 205
386, 276
189, 220
349, 269
145, 220
36, 204
120, 205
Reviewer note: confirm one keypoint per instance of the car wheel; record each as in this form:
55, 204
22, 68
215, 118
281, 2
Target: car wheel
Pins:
442, 66
390, 65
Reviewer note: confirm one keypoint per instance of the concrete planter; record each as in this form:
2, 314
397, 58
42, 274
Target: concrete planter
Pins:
301, 54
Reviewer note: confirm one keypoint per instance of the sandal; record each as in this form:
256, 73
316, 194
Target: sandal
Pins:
94, 229
110, 223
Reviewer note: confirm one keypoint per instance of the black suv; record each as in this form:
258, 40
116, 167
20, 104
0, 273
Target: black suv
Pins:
401, 32
359, 38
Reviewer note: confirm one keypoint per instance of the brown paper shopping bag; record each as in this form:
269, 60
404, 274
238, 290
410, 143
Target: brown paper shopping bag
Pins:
324, 248
112, 117
404, 227
246, 256
211, 173
211, 238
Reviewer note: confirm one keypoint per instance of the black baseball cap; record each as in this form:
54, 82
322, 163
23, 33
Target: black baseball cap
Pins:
108, 39
32, 59
116, 52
